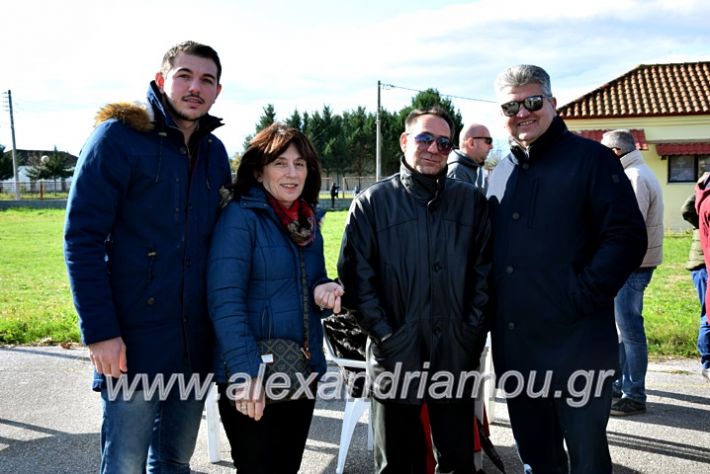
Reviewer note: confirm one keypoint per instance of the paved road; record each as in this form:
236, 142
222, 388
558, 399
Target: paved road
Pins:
49, 422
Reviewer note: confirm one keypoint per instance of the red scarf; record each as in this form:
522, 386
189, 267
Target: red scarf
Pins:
299, 220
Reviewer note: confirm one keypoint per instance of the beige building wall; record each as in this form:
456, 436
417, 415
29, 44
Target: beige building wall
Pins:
659, 130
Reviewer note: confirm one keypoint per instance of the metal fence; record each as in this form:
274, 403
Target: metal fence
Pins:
37, 187
349, 186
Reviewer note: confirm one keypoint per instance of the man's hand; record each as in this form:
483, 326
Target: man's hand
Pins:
109, 357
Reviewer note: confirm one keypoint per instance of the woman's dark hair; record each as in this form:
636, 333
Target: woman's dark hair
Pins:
268, 145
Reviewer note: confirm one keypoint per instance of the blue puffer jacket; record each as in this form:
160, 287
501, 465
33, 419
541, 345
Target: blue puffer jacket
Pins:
137, 233
254, 286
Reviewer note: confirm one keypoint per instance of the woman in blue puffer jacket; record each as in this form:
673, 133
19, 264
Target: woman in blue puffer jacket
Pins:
267, 281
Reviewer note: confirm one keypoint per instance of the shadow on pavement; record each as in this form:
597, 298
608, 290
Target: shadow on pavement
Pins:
658, 446
58, 452
30, 350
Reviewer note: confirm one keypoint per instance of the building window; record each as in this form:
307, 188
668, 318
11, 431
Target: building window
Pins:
687, 168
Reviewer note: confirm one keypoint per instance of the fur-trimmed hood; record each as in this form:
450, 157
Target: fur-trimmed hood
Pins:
134, 114
145, 117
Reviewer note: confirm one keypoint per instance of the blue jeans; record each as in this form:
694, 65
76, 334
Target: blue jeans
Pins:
633, 351
700, 280
141, 434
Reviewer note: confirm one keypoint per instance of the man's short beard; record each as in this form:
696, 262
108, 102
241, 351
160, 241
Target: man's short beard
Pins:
176, 114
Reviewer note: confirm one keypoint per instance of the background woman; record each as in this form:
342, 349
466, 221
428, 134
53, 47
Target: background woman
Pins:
266, 260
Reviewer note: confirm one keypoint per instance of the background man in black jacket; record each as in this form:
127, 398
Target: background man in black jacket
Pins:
567, 234
466, 163
414, 265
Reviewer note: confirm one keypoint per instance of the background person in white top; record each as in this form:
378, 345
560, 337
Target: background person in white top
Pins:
630, 386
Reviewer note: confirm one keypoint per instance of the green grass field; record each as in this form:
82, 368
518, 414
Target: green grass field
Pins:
36, 307
35, 304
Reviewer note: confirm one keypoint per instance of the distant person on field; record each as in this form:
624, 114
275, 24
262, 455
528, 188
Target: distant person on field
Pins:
466, 163
334, 188
699, 274
143, 202
630, 387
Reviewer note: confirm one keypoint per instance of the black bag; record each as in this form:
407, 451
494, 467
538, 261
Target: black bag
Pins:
284, 356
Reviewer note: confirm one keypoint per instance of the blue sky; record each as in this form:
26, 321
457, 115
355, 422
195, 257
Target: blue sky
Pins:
64, 60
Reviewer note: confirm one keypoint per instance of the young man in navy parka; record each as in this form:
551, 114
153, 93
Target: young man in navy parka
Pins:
143, 202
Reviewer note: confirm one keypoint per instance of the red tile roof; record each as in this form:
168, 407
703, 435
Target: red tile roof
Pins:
665, 149
649, 90
596, 135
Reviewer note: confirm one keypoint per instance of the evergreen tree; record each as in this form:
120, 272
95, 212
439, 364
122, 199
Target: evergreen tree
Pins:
429, 98
6, 169
55, 166
391, 127
295, 120
359, 130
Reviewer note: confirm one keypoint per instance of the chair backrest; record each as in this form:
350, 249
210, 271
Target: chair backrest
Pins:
331, 354
343, 333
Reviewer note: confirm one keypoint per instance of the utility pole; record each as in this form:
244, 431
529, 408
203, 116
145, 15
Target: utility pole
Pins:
14, 147
378, 138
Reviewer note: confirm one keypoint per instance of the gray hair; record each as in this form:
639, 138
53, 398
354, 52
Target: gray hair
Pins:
620, 138
522, 75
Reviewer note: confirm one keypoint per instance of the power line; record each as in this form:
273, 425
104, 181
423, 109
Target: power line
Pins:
392, 86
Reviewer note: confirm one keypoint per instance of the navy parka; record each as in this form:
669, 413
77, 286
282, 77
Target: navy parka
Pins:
137, 232
255, 288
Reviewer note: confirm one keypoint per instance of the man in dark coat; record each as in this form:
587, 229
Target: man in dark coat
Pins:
467, 163
414, 267
567, 233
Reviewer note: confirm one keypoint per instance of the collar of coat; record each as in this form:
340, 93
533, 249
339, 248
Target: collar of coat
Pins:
538, 148
145, 117
632, 158
457, 156
255, 198
421, 186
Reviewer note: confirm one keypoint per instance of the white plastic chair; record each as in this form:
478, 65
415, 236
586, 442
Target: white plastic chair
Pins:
212, 416
354, 407
483, 406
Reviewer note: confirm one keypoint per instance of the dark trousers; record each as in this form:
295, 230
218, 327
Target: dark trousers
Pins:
400, 446
272, 445
540, 425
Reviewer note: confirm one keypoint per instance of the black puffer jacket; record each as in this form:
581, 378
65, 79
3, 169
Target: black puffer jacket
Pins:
414, 263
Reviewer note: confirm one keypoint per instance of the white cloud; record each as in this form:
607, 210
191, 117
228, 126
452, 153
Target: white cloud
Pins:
64, 60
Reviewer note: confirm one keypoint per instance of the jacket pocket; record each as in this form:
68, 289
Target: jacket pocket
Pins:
394, 349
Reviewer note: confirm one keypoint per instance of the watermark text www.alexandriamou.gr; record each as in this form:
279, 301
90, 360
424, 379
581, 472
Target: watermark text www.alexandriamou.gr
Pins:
581, 385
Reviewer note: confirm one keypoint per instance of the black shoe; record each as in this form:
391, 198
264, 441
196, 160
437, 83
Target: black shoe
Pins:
626, 406
616, 394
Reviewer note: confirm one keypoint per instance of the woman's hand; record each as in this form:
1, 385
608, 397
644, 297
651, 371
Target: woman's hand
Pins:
327, 295
249, 399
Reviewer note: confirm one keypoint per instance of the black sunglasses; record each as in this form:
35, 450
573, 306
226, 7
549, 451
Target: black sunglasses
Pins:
425, 139
488, 140
532, 103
